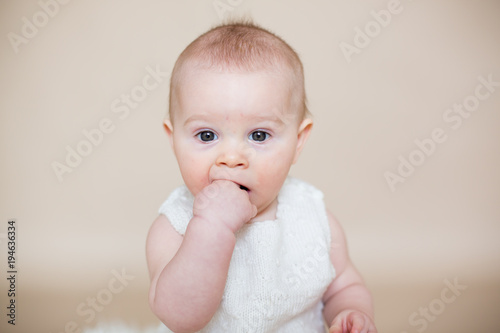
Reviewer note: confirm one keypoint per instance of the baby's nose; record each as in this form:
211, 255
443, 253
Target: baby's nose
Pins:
233, 157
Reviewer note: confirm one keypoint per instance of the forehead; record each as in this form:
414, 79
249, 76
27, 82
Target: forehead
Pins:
227, 93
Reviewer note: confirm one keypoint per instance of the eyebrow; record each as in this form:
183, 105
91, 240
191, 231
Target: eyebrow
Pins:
274, 119
196, 117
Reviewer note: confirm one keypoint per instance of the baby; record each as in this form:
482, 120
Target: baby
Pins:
242, 247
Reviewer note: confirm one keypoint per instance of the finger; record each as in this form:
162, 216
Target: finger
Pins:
254, 211
357, 323
336, 326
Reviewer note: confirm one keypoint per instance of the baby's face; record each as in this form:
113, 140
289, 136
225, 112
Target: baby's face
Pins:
238, 127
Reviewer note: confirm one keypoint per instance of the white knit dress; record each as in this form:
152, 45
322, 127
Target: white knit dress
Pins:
279, 269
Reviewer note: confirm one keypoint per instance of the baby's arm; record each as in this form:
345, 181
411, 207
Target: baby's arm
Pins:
348, 304
188, 273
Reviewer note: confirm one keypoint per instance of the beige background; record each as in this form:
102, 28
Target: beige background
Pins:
442, 223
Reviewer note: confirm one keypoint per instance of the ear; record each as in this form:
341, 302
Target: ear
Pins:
302, 136
167, 124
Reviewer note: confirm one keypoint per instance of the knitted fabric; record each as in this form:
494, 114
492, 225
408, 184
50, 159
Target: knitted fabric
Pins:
279, 269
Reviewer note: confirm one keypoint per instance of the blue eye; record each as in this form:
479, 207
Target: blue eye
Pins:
206, 136
259, 136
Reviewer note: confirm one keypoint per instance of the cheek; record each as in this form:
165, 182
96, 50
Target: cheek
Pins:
194, 170
274, 172
273, 169
282, 157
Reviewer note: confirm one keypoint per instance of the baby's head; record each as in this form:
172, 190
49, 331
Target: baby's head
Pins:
237, 111
241, 47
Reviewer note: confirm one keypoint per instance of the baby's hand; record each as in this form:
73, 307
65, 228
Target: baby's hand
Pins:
224, 202
350, 321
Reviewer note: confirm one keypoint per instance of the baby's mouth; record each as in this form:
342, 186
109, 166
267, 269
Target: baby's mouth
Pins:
244, 188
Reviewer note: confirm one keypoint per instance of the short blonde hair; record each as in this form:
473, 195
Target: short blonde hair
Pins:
242, 46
